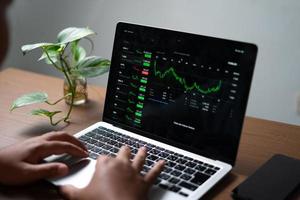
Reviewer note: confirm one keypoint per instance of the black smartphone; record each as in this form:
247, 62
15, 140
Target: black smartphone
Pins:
277, 179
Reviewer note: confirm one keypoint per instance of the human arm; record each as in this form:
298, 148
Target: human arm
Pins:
23, 162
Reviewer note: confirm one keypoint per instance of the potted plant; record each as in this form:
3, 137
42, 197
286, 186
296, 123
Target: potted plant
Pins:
68, 57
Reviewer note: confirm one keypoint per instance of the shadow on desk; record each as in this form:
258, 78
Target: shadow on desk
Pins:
38, 130
37, 191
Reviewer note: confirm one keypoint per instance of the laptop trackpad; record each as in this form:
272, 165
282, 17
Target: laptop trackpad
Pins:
80, 174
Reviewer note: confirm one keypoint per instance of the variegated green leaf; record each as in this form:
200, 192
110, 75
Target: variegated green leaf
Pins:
92, 66
27, 99
53, 53
43, 112
73, 33
29, 47
78, 51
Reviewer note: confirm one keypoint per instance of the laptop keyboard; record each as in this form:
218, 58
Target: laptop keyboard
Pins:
181, 173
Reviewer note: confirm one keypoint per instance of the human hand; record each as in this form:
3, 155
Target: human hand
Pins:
22, 163
117, 178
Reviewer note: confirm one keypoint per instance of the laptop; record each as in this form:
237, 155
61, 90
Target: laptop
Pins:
181, 95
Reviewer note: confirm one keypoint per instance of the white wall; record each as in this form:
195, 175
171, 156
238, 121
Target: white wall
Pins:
273, 25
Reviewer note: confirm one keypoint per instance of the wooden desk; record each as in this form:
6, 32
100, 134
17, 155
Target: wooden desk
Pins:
260, 139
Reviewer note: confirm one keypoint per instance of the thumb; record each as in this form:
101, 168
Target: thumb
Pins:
69, 192
48, 170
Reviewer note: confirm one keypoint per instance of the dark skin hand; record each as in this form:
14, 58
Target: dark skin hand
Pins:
117, 178
22, 163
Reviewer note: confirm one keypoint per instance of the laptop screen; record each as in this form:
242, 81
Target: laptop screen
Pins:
183, 89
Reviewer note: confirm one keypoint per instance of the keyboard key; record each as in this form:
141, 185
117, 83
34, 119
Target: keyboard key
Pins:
170, 164
199, 178
185, 177
107, 147
183, 194
163, 154
112, 154
198, 162
148, 163
128, 142
108, 134
149, 146
89, 146
111, 142
146, 169
154, 151
83, 138
189, 171
141, 143
181, 161
176, 173
118, 144
98, 137
187, 158
188, 185
160, 149
164, 176
210, 171
96, 149
152, 157
121, 140
104, 152
174, 180
169, 152
191, 164
90, 134
178, 155
114, 150
167, 169
104, 139
163, 186
100, 144
135, 145
174, 189
172, 157
200, 168
208, 165
134, 150
180, 167
93, 156
92, 141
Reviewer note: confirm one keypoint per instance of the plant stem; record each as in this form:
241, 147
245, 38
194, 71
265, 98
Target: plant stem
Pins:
54, 124
67, 65
58, 100
92, 45
71, 87
63, 59
53, 63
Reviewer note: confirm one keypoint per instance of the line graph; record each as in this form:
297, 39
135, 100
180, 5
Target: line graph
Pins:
172, 73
